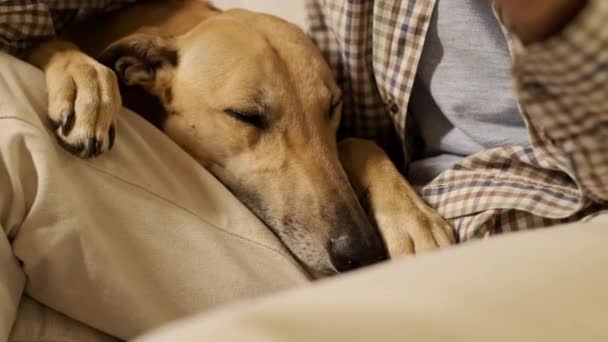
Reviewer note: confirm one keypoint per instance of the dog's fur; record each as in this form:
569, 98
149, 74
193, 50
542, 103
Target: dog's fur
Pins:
251, 98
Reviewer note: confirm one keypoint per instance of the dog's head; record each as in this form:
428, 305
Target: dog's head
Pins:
252, 99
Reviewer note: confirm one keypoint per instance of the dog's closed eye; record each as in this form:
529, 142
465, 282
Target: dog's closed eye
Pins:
255, 119
334, 106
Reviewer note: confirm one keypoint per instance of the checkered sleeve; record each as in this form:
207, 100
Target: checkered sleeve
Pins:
24, 23
563, 88
343, 31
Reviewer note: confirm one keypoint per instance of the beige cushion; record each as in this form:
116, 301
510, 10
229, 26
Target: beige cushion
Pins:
544, 285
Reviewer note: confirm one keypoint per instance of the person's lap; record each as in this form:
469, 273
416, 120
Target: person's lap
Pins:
138, 237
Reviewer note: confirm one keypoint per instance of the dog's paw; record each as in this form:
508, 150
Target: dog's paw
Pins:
84, 102
412, 231
407, 224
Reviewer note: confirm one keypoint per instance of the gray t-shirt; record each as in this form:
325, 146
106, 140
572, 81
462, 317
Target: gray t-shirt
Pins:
463, 100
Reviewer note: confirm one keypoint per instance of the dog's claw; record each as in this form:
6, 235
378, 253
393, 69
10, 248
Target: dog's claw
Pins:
67, 123
112, 136
98, 146
90, 148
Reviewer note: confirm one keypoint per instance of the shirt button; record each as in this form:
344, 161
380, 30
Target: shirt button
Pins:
393, 108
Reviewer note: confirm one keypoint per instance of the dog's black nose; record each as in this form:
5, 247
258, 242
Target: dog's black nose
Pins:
346, 253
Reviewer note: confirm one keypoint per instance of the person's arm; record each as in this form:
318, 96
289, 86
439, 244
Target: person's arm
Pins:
24, 24
537, 20
561, 75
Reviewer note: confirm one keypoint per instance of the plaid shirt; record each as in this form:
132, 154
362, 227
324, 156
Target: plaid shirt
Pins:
562, 84
24, 23
374, 48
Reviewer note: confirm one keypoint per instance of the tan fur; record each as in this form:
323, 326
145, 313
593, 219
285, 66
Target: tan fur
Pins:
407, 224
203, 65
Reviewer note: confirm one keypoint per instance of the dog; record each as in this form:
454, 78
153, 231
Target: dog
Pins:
250, 97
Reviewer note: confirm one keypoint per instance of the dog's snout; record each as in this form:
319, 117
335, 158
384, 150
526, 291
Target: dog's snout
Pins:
341, 254
346, 253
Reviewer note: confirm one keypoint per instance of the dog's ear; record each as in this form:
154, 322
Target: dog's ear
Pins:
142, 59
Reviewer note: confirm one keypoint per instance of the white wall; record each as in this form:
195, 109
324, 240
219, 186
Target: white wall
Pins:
292, 10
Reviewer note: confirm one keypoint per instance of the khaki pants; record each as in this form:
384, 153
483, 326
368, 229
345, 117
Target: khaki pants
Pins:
138, 237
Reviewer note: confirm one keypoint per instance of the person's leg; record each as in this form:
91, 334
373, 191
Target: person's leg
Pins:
12, 279
543, 285
38, 323
138, 237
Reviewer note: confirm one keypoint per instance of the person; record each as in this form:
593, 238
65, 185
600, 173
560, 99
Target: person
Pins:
439, 74
431, 81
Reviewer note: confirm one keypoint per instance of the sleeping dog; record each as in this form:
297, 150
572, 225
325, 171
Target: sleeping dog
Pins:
250, 97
